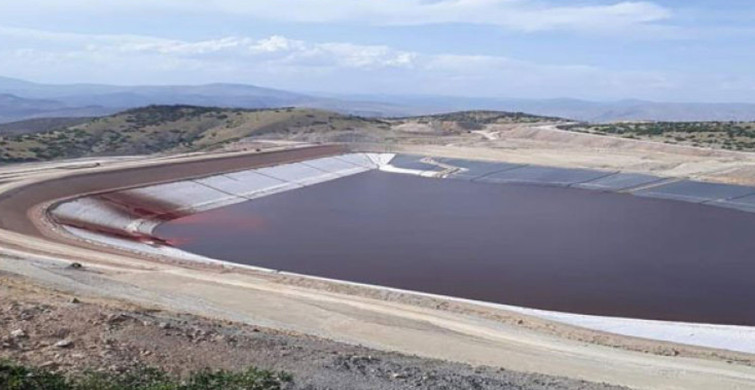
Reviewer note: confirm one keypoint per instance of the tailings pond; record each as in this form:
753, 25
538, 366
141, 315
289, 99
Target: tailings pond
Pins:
542, 247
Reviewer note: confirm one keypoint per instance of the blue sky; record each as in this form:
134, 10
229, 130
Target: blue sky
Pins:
670, 50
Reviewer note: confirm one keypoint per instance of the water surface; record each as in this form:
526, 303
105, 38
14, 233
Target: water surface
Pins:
543, 247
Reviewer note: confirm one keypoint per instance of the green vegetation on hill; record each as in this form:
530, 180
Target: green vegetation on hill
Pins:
17, 377
722, 135
39, 125
173, 129
177, 129
476, 120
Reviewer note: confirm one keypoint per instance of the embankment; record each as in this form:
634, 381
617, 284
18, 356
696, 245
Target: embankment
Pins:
125, 218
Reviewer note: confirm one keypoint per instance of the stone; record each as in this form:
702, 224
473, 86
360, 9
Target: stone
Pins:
65, 343
116, 318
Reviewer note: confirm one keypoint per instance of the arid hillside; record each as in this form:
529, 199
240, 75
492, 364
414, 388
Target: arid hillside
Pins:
39, 125
175, 129
167, 129
719, 135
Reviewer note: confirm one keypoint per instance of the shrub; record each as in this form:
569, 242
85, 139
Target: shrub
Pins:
16, 377
13, 377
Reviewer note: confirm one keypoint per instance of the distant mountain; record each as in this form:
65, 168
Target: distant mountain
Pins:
66, 100
632, 110
583, 110
96, 99
39, 125
133, 96
14, 105
14, 108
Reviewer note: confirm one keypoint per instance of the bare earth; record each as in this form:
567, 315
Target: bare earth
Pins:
59, 331
544, 144
319, 317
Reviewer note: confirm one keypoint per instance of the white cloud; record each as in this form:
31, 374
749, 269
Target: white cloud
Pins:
281, 62
274, 49
515, 14
521, 15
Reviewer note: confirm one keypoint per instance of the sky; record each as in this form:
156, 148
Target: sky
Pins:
663, 50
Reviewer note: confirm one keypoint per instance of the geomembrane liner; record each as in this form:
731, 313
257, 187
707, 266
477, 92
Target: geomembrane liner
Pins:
474, 169
244, 183
696, 192
297, 173
409, 161
544, 175
620, 181
744, 203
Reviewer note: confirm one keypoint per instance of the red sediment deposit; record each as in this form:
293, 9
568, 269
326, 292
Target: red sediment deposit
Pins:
110, 186
147, 207
130, 206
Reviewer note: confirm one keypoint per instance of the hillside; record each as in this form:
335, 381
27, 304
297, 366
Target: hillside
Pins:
157, 129
474, 119
39, 125
172, 129
720, 135
576, 109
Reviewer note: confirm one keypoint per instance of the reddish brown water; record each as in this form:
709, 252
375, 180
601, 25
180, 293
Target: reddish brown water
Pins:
544, 247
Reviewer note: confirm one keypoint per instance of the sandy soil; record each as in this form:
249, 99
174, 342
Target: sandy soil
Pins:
547, 145
62, 332
372, 317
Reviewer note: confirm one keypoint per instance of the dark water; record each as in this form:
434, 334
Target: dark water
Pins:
544, 247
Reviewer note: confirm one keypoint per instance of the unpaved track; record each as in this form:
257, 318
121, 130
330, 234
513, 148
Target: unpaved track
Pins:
266, 299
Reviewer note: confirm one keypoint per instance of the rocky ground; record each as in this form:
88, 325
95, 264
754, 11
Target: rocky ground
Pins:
40, 327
